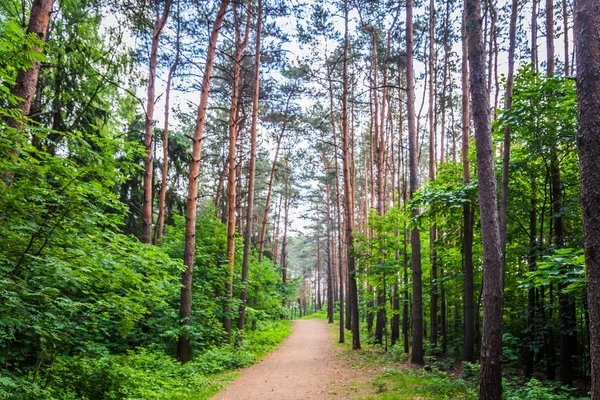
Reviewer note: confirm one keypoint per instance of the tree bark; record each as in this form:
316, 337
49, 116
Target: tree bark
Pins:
162, 205
493, 293
251, 174
184, 347
233, 123
417, 284
432, 158
469, 306
587, 45
149, 128
26, 81
349, 194
263, 231
506, 150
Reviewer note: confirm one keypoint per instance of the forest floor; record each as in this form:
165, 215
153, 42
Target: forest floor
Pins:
306, 366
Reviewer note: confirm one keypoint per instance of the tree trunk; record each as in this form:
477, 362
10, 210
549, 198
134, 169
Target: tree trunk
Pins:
26, 81
432, 157
149, 131
263, 231
417, 295
506, 150
330, 249
184, 347
234, 113
566, 37
469, 317
251, 175
286, 213
493, 293
162, 205
349, 193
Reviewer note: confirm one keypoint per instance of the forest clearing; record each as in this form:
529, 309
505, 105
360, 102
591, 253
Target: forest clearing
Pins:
367, 199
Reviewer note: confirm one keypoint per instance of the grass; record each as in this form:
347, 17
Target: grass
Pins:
389, 375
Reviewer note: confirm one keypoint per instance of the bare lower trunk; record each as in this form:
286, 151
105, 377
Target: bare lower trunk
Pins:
184, 348
349, 193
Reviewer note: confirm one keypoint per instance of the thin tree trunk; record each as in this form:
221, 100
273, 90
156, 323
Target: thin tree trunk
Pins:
184, 347
233, 123
432, 158
219, 191
286, 213
149, 131
493, 294
251, 175
263, 231
506, 151
417, 284
566, 37
162, 205
330, 250
534, 33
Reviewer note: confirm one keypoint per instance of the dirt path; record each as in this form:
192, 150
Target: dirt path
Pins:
304, 367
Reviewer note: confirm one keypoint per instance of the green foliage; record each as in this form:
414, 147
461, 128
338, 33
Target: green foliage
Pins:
536, 390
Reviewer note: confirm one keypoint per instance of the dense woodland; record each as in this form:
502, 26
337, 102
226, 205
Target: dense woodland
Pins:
178, 178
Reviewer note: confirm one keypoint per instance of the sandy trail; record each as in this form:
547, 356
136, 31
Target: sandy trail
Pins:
304, 367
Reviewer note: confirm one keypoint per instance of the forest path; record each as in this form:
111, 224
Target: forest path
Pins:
304, 367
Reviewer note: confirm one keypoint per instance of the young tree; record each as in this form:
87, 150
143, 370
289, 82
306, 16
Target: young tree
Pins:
587, 45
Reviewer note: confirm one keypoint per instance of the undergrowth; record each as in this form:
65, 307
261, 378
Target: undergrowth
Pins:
150, 374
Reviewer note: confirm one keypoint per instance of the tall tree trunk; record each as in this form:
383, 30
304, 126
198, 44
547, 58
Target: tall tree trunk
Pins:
149, 131
493, 293
469, 306
432, 158
417, 284
506, 150
338, 209
587, 46
349, 193
26, 81
184, 347
162, 204
251, 174
233, 123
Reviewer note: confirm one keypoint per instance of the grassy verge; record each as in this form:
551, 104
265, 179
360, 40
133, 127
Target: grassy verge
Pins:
146, 374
